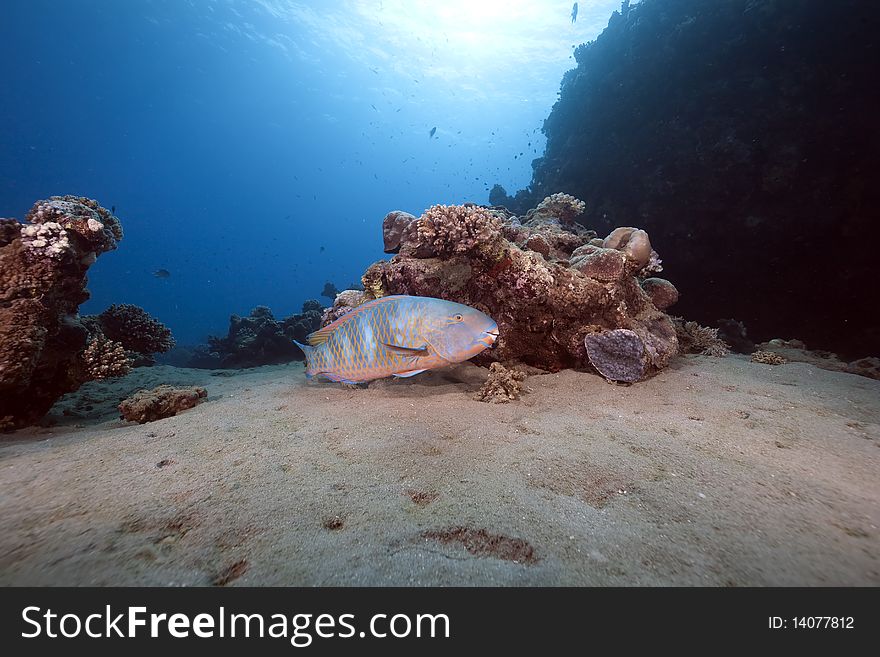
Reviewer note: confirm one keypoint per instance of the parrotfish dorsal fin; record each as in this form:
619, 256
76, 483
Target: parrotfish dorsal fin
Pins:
321, 335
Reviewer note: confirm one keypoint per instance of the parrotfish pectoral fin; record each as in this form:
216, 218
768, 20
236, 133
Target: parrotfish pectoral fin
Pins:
338, 379
406, 351
404, 375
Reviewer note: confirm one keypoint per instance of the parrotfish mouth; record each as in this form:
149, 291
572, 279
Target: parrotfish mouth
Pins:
489, 337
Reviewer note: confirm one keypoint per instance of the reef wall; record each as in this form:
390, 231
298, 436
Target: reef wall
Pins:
742, 135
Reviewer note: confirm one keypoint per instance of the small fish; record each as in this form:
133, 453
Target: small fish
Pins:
574, 12
397, 336
433, 131
321, 250
162, 273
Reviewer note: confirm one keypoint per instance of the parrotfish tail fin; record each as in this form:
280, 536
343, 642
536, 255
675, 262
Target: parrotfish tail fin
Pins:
308, 351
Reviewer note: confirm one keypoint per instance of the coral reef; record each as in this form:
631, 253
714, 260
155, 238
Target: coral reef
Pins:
768, 358
544, 304
502, 386
260, 339
160, 402
729, 128
46, 350
132, 327
696, 339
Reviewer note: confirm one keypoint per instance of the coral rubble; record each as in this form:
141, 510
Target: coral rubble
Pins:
160, 402
46, 349
503, 385
528, 274
796, 351
768, 358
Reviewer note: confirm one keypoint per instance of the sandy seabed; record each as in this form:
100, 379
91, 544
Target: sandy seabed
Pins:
718, 472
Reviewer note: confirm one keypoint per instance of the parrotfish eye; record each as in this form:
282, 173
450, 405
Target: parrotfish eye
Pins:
457, 317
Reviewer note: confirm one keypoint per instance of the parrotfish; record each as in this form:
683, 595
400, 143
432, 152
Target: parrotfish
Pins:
397, 335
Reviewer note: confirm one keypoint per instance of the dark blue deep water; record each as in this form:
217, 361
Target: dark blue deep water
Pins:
251, 148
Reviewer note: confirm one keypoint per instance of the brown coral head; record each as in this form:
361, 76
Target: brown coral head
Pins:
94, 228
458, 229
663, 294
539, 243
604, 265
393, 226
618, 355
564, 207
105, 359
633, 242
135, 329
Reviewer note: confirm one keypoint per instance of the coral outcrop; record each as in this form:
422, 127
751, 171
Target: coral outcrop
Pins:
160, 402
746, 141
524, 272
260, 339
132, 327
46, 349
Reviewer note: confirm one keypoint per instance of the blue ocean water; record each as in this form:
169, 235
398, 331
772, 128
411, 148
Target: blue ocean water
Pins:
252, 147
